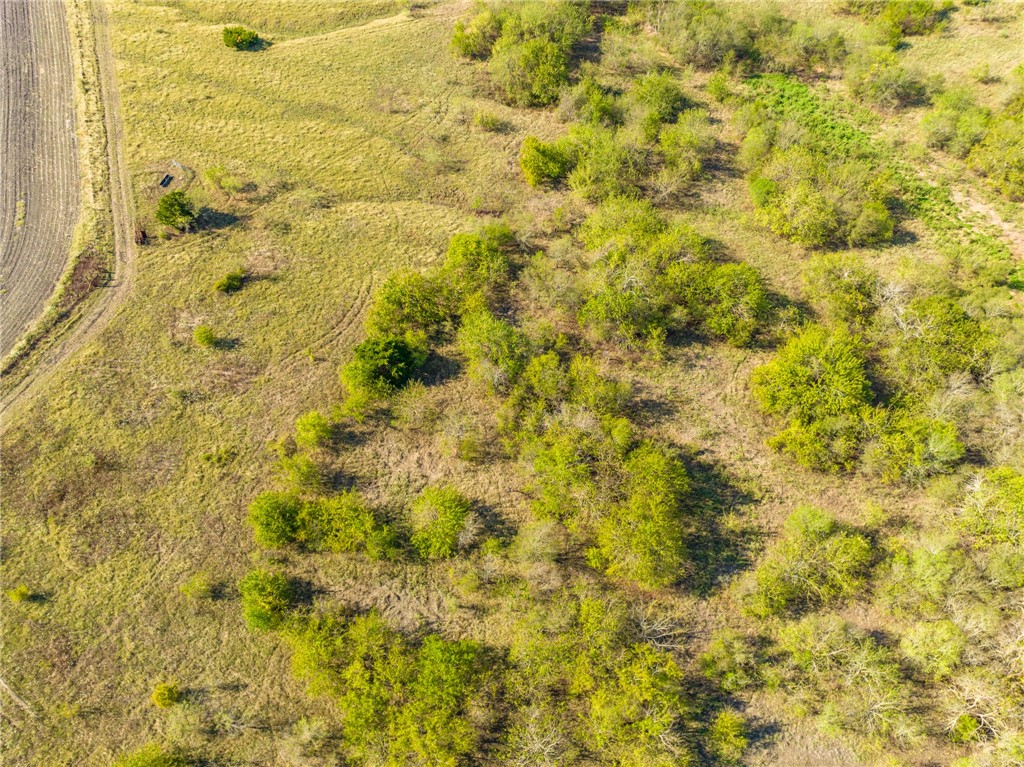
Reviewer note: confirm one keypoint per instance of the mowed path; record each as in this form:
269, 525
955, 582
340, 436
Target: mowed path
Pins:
39, 179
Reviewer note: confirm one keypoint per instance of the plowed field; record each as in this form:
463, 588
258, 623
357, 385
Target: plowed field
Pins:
38, 160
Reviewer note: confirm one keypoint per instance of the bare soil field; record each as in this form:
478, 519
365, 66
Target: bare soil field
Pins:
38, 160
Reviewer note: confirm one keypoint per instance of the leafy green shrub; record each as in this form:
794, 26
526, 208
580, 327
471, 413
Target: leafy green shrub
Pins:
544, 163
529, 47
934, 647
344, 523
618, 699
475, 38
497, 351
381, 365
731, 661
842, 289
728, 739
855, 683
568, 464
816, 562
275, 519
204, 336
802, 194
622, 221
476, 263
818, 374
588, 102
547, 386
1000, 156
151, 755
705, 34
633, 712
231, 282
659, 100
20, 593
686, 144
176, 210
924, 580
896, 18
934, 338
219, 177
993, 507
911, 449
641, 538
239, 38
726, 301
301, 472
605, 165
491, 122
266, 597
403, 704
531, 73
439, 516
876, 76
313, 430
409, 301
956, 123
166, 695
199, 586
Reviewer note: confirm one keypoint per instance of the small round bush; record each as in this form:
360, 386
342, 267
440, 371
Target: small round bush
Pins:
312, 430
151, 755
438, 518
381, 365
239, 38
532, 72
410, 301
198, 586
176, 210
166, 695
274, 519
266, 597
204, 336
231, 282
20, 593
544, 162
728, 739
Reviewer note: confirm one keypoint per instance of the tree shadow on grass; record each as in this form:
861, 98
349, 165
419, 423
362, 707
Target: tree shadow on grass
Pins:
720, 541
438, 369
212, 220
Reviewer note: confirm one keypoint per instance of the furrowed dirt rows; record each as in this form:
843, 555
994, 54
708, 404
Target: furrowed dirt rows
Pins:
39, 181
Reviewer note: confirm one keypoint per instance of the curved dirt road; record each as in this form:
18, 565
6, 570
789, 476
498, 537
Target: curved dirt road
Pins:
39, 180
102, 306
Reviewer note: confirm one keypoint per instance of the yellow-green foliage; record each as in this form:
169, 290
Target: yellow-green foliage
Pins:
817, 562
343, 523
402, 702
313, 430
275, 519
992, 511
817, 381
165, 695
856, 685
266, 597
152, 755
439, 521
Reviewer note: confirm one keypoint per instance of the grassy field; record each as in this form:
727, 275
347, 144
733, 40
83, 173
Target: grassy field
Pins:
351, 149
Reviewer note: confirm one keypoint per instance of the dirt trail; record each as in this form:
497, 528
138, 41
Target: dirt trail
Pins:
38, 160
1013, 236
108, 299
